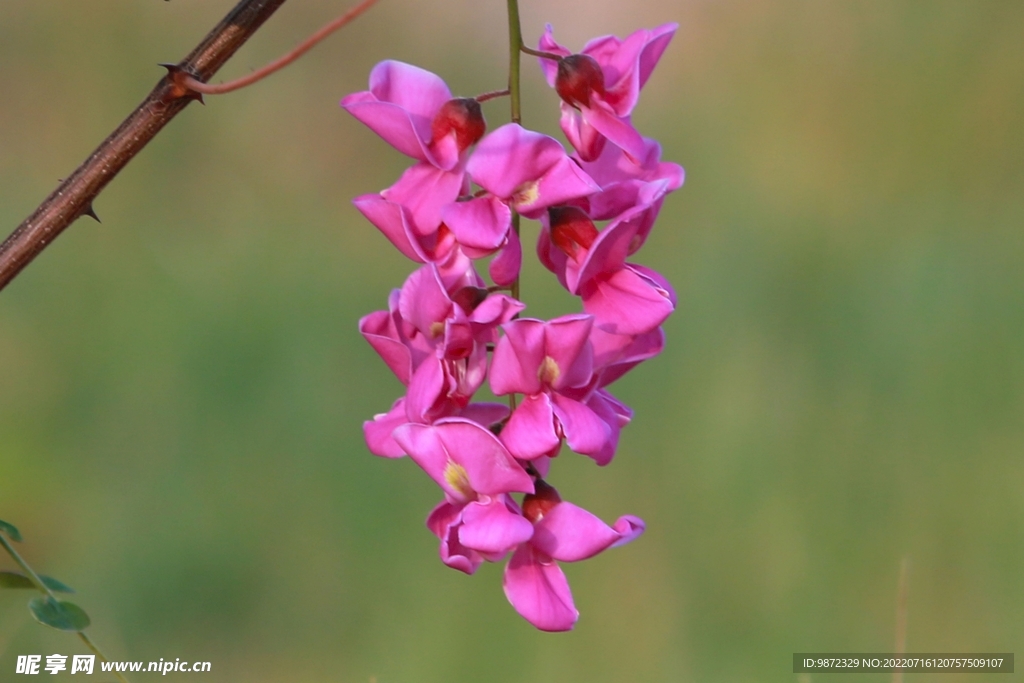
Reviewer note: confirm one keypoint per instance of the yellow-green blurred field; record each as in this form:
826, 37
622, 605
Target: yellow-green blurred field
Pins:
182, 387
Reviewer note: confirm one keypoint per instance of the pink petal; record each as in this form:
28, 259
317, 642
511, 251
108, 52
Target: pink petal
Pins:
378, 431
567, 343
530, 432
550, 256
657, 41
511, 156
538, 590
391, 219
492, 528
657, 279
583, 137
457, 271
542, 465
426, 389
445, 521
458, 341
444, 152
619, 130
517, 356
496, 309
378, 330
569, 533
584, 430
607, 254
547, 44
629, 529
390, 122
504, 269
466, 375
400, 105
615, 415
563, 182
614, 199
616, 354
626, 303
485, 414
480, 225
424, 301
489, 466
424, 191
628, 63
424, 446
416, 90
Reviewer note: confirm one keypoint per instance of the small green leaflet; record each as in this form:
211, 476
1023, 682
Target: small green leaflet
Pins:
63, 616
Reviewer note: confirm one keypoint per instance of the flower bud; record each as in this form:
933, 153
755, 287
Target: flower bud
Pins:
463, 117
540, 502
578, 77
571, 229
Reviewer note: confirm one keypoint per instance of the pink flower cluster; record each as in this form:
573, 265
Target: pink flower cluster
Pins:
446, 331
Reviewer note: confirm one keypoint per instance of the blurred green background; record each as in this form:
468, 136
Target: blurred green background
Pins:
182, 387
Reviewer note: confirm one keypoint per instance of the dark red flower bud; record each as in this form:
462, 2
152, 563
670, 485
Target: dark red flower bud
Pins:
463, 116
578, 77
571, 229
539, 503
468, 298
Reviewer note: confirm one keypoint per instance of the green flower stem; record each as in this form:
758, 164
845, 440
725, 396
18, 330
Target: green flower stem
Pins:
99, 655
515, 45
41, 587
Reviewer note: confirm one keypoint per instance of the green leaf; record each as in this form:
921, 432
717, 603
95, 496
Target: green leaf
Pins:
11, 531
55, 585
63, 616
16, 580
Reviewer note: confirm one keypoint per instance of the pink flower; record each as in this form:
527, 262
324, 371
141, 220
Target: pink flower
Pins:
485, 529
477, 520
624, 298
601, 85
413, 110
435, 343
551, 363
533, 582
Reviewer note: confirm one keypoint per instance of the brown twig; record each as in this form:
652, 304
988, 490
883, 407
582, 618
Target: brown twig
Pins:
74, 196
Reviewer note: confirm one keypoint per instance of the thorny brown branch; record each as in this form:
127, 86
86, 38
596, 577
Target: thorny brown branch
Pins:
74, 196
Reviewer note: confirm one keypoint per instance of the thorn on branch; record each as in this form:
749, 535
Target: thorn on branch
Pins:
181, 83
91, 213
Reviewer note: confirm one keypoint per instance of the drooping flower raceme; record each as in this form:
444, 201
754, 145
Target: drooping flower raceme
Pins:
446, 332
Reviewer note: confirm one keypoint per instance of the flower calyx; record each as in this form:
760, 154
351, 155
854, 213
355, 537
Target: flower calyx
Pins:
572, 231
540, 503
462, 117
